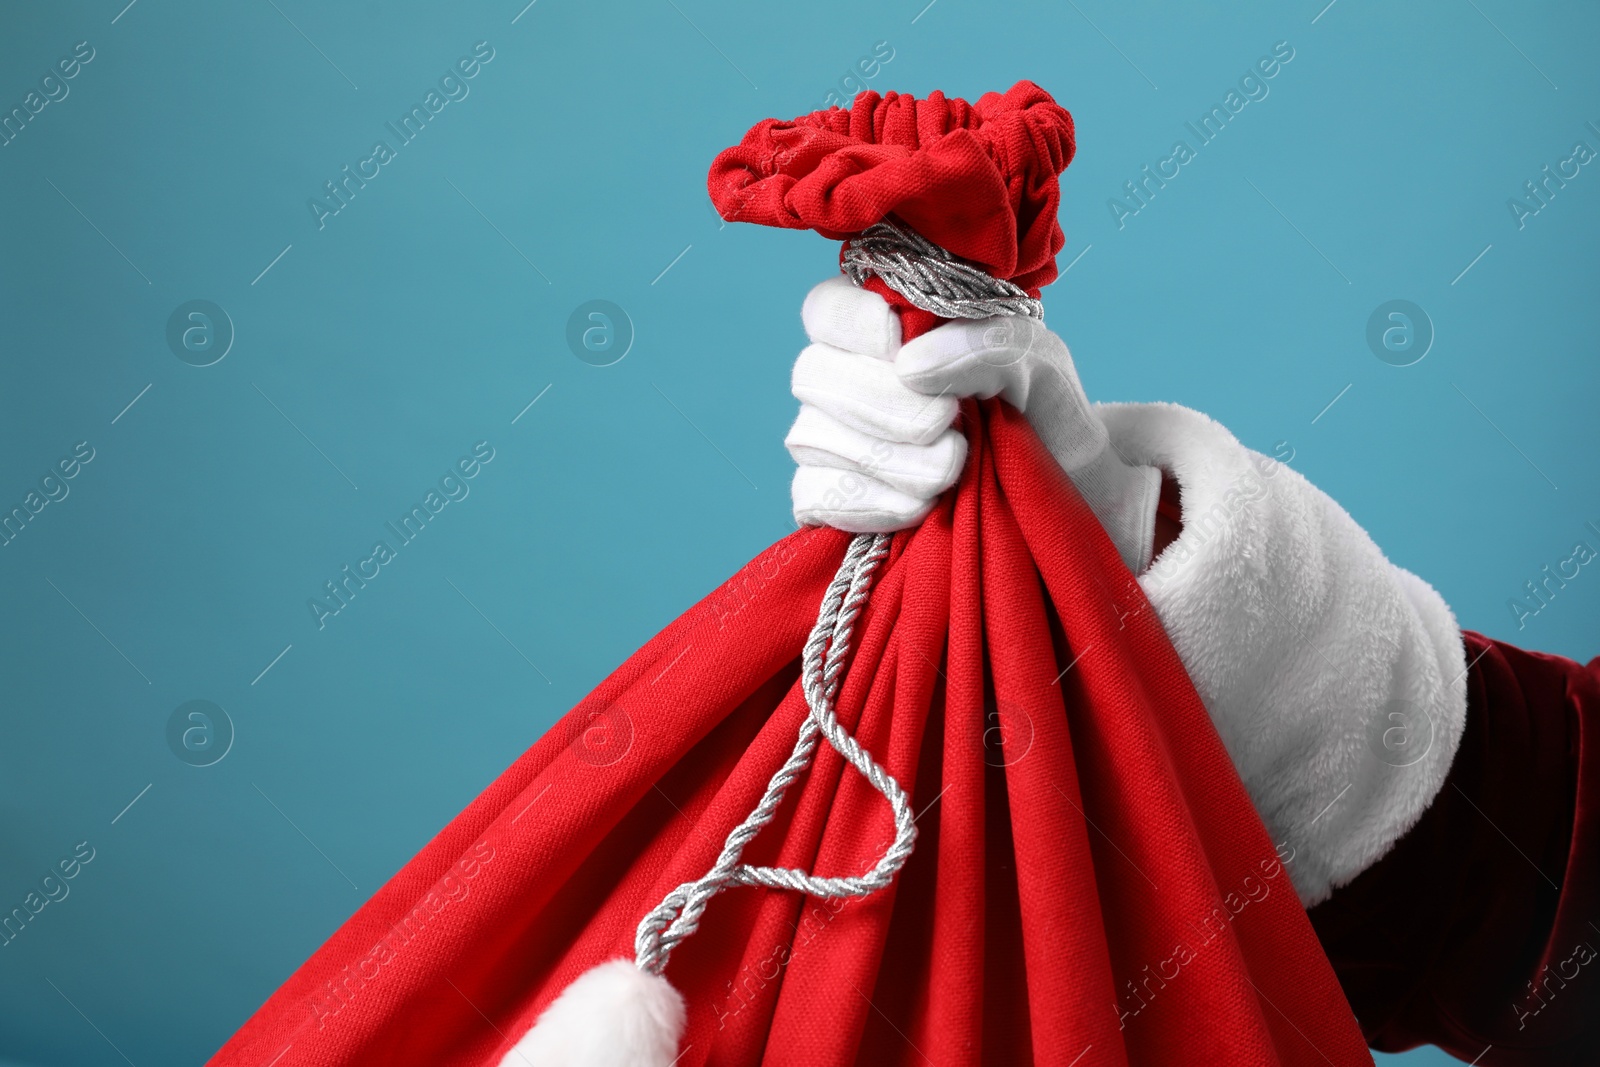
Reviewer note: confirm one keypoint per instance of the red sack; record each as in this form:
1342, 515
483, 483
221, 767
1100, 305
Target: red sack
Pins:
1090, 884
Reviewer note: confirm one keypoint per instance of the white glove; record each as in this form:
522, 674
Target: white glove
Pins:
873, 439
874, 454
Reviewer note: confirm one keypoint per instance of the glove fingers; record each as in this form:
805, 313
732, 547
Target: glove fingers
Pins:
819, 440
839, 314
864, 393
980, 357
850, 500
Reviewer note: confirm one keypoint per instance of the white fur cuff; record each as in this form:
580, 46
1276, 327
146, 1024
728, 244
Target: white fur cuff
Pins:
1336, 680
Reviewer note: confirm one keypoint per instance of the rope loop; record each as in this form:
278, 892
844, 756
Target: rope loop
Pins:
821, 664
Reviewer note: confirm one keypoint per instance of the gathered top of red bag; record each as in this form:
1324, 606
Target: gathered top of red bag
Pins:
980, 180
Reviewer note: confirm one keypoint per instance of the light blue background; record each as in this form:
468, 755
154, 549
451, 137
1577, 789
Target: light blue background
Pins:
412, 326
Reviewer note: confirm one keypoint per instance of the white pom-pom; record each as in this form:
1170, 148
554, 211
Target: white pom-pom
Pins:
614, 1015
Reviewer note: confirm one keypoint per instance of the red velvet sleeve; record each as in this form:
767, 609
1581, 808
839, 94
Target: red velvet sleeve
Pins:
1478, 931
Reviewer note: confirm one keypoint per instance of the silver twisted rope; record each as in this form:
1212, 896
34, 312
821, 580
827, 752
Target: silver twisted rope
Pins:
932, 278
821, 664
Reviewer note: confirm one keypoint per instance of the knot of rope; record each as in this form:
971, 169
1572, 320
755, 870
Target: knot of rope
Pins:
932, 278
